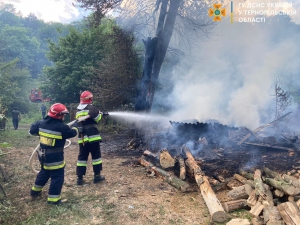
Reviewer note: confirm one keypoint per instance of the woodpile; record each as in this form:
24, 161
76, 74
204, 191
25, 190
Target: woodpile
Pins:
214, 205
268, 195
272, 198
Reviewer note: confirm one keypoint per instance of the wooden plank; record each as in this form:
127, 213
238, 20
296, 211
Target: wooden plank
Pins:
269, 146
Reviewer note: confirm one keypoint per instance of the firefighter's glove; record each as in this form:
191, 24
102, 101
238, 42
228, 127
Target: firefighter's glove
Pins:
77, 127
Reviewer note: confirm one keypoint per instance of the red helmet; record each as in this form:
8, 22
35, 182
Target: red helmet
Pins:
57, 111
86, 97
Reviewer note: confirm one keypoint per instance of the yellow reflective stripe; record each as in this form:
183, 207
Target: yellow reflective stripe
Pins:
55, 167
97, 162
86, 139
98, 118
95, 139
50, 135
75, 128
82, 113
81, 164
51, 198
36, 188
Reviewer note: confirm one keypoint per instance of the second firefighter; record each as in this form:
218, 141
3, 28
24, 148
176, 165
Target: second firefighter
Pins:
88, 138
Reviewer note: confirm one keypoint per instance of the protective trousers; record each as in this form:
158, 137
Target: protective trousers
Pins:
94, 149
57, 180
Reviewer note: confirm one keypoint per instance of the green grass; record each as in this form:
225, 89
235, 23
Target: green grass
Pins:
18, 138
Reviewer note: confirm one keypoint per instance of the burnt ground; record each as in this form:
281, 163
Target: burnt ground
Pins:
129, 195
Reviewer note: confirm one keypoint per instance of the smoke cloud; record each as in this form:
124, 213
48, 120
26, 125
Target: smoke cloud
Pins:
233, 82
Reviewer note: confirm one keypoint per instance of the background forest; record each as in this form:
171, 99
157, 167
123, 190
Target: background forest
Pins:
63, 60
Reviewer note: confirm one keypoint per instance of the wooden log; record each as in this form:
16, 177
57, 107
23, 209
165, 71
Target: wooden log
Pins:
291, 180
272, 216
269, 146
165, 159
268, 201
289, 212
247, 175
260, 190
278, 193
182, 173
275, 222
273, 174
214, 206
235, 205
260, 128
243, 180
238, 221
241, 192
252, 199
257, 209
171, 179
257, 221
286, 188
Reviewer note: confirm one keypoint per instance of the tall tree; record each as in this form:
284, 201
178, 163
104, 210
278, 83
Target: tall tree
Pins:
101, 59
143, 13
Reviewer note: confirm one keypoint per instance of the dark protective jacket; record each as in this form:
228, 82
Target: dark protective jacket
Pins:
90, 131
15, 114
53, 134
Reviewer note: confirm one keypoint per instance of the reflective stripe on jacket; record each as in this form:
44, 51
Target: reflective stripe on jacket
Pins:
90, 133
53, 134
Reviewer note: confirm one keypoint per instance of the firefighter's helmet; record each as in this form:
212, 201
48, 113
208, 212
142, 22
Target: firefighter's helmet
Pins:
86, 97
57, 111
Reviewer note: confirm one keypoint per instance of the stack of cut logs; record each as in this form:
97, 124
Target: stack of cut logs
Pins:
272, 198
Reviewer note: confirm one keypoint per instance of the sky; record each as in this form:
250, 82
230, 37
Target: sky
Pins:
48, 10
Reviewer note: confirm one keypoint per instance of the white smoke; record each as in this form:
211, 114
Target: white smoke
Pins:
233, 82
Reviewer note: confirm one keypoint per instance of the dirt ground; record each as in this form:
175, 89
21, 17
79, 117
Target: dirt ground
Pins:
129, 195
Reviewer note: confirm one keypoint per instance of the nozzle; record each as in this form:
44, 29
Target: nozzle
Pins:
105, 114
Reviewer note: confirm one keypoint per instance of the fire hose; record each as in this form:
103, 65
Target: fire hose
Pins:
31, 159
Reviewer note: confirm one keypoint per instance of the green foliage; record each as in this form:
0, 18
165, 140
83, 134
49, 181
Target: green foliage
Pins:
15, 43
12, 83
101, 59
116, 75
27, 38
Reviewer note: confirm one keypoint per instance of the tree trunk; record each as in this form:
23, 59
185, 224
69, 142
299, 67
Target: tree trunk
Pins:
163, 44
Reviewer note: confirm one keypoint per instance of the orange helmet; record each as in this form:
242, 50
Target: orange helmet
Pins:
57, 111
86, 97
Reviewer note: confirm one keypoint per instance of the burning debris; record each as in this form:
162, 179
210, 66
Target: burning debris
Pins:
216, 156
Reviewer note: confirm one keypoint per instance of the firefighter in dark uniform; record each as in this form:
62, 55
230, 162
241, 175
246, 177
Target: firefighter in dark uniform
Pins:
53, 134
89, 139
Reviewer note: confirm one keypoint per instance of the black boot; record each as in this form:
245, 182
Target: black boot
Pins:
79, 180
98, 178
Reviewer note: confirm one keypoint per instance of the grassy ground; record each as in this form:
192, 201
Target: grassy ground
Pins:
127, 196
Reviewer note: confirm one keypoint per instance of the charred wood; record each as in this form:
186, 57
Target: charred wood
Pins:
269, 146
